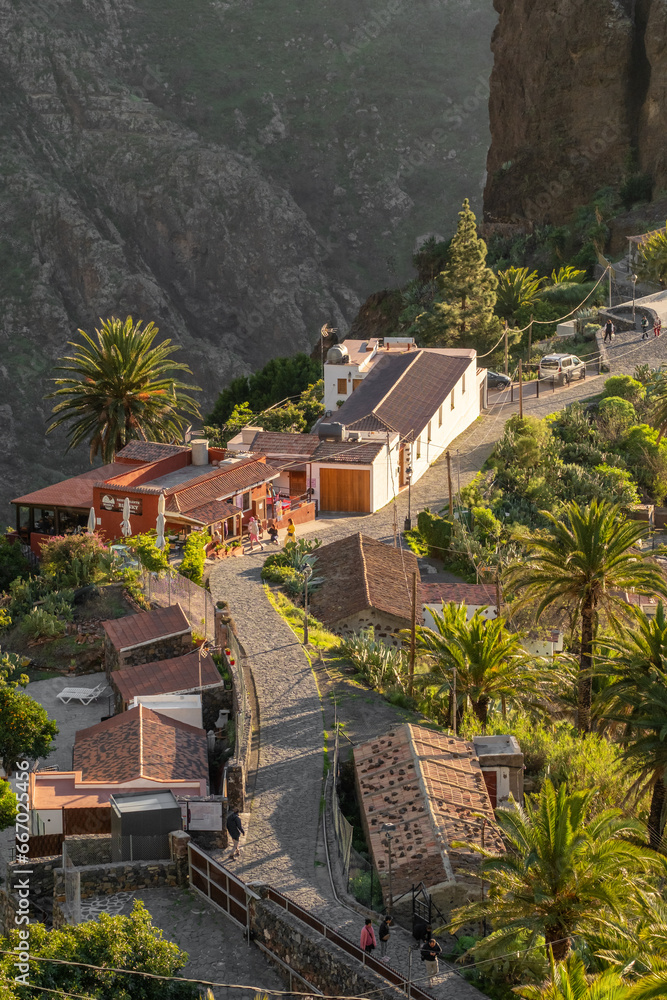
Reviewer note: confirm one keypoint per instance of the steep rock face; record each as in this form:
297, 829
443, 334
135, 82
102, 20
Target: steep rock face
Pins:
227, 170
577, 96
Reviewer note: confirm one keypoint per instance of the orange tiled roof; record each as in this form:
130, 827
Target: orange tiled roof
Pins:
457, 593
174, 676
219, 484
430, 785
140, 743
149, 451
359, 573
74, 492
134, 630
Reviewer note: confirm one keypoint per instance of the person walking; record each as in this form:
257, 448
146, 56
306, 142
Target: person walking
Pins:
253, 534
384, 933
644, 327
430, 951
367, 941
608, 331
291, 530
657, 326
234, 829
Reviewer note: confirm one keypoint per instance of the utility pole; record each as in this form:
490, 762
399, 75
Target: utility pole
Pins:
609, 272
506, 354
520, 390
454, 702
449, 481
306, 574
530, 338
413, 635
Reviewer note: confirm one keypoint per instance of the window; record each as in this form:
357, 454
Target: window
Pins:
342, 387
451, 401
356, 382
463, 383
246, 501
419, 447
428, 432
440, 415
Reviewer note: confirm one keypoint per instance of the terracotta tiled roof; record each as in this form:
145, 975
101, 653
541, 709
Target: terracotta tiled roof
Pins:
149, 451
178, 675
402, 392
278, 444
348, 452
220, 484
430, 785
140, 744
75, 492
457, 593
359, 573
135, 630
216, 510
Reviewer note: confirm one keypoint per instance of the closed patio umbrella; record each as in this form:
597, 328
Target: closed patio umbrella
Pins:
92, 521
160, 541
125, 526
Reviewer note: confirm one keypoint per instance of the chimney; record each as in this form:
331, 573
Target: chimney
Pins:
199, 451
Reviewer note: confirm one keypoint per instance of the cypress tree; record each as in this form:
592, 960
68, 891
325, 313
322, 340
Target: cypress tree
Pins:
461, 314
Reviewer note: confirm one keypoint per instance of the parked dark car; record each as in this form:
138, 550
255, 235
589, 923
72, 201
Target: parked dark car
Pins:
495, 380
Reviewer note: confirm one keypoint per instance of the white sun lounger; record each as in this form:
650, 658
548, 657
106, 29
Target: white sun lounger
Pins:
84, 695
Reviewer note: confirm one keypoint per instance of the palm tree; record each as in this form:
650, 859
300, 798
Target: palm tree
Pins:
637, 697
568, 981
585, 563
119, 387
516, 288
485, 660
563, 873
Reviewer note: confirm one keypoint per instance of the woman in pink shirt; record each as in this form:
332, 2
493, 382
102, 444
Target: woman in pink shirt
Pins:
368, 942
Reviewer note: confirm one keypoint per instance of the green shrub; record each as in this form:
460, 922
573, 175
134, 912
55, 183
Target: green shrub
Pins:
285, 576
149, 555
626, 387
39, 624
59, 603
618, 409
74, 560
435, 531
13, 564
194, 556
617, 485
361, 889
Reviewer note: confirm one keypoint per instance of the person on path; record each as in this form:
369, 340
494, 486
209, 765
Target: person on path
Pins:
235, 829
273, 533
430, 951
644, 327
367, 941
291, 530
253, 534
657, 326
384, 934
608, 331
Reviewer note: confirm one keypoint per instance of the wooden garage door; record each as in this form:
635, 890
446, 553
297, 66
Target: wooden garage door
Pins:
345, 489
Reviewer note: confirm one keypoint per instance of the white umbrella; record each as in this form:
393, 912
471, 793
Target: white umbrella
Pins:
125, 526
92, 521
160, 541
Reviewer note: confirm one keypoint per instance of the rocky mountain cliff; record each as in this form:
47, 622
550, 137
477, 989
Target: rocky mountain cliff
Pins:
577, 102
237, 171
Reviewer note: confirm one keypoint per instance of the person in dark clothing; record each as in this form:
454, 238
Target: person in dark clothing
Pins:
383, 934
608, 331
644, 328
234, 829
429, 953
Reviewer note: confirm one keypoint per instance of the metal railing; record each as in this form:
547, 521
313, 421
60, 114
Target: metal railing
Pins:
172, 588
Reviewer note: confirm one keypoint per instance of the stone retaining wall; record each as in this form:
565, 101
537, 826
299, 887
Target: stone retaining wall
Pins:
319, 961
237, 768
89, 849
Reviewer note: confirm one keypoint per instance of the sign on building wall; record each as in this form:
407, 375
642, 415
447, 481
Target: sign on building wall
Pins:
109, 502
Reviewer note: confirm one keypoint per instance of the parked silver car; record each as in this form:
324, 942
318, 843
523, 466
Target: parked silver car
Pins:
562, 367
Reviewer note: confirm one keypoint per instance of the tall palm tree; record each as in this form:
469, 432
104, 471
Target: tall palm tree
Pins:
563, 872
637, 697
483, 659
568, 981
118, 387
585, 562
